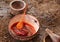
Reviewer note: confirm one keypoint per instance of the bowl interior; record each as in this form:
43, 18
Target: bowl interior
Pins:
17, 5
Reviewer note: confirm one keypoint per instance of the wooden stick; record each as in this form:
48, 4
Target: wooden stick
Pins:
20, 24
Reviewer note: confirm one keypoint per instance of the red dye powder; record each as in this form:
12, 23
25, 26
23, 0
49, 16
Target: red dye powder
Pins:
27, 30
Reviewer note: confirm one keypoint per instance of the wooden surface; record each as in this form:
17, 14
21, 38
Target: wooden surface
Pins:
46, 11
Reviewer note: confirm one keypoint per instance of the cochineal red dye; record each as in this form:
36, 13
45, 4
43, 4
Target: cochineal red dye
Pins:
27, 30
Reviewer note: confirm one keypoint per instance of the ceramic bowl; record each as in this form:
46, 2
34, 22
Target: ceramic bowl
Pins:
29, 19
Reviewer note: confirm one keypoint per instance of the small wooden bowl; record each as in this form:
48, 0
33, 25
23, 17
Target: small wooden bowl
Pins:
30, 19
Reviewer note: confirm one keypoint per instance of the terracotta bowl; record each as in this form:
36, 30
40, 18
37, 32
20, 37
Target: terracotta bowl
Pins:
29, 19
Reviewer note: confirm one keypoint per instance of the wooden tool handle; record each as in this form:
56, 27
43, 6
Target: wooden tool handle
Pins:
20, 24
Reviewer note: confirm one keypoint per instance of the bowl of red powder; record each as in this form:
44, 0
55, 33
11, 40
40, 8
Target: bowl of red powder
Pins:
30, 27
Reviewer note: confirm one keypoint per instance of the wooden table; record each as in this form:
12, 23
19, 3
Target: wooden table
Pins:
47, 12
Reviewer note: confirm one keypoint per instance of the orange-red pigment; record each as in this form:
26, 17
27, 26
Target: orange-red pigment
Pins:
27, 29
